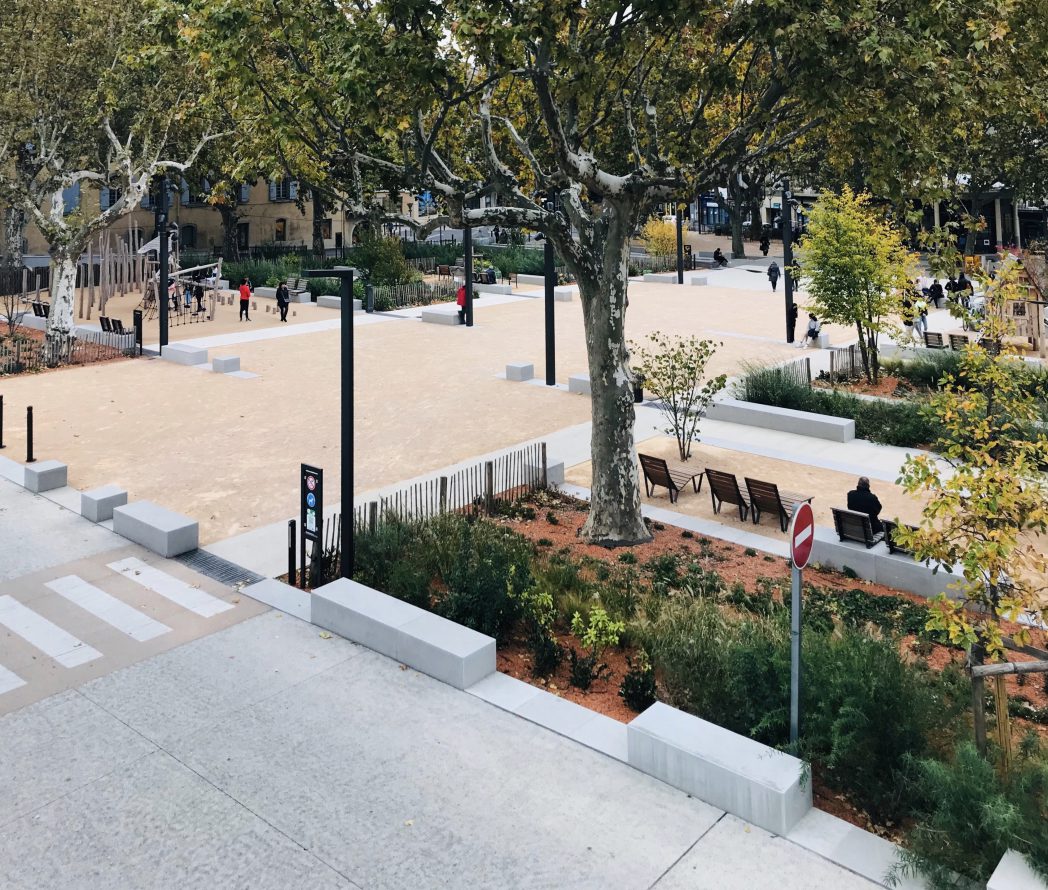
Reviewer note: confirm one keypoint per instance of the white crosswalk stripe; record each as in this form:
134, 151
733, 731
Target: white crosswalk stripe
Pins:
171, 588
9, 680
108, 608
49, 638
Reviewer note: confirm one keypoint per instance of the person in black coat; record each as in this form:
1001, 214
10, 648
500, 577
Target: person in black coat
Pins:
862, 500
283, 300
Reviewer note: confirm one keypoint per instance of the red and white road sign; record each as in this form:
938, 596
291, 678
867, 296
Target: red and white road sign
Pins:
802, 535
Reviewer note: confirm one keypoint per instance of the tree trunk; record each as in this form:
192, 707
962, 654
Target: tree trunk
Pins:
738, 243
615, 517
756, 222
60, 316
864, 352
230, 218
319, 214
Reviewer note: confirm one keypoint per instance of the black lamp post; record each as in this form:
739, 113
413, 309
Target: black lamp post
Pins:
550, 274
163, 282
680, 243
787, 257
345, 282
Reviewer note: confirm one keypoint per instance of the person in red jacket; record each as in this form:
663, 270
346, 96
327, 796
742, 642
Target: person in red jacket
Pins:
245, 299
460, 298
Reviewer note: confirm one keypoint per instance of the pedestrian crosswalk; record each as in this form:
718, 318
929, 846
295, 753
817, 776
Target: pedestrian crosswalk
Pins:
49, 625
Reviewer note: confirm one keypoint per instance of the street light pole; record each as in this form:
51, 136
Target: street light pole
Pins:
680, 243
550, 281
163, 283
467, 247
787, 256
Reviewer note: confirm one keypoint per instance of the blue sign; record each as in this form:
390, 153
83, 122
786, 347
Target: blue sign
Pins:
311, 500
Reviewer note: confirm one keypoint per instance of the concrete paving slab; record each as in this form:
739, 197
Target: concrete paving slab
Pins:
738, 856
605, 735
504, 691
555, 713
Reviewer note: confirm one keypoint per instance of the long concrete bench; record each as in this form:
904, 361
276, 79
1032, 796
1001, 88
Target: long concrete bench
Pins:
45, 475
156, 528
183, 354
426, 642
485, 288
786, 420
878, 565
531, 280
1013, 872
661, 277
732, 772
98, 503
579, 383
440, 316
333, 301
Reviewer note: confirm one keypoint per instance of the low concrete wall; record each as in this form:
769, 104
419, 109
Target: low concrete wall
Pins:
786, 420
878, 565
181, 354
483, 288
156, 528
734, 773
1014, 873
579, 383
440, 316
661, 277
531, 280
333, 301
426, 642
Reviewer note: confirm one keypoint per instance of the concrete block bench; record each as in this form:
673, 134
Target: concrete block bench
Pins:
531, 280
331, 301
225, 364
579, 383
786, 420
824, 340
426, 642
698, 280
661, 277
566, 293
734, 773
265, 293
45, 475
440, 316
156, 528
181, 354
1013, 872
484, 288
520, 371
98, 503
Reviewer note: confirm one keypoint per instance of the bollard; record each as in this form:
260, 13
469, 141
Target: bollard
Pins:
29, 435
1, 421
291, 579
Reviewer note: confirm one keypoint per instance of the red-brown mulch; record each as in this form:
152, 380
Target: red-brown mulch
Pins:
93, 356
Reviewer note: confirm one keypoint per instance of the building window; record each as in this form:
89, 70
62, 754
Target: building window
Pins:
325, 229
187, 236
71, 197
108, 197
280, 233
283, 189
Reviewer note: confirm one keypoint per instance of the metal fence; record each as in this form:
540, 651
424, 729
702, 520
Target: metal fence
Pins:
29, 354
415, 293
666, 263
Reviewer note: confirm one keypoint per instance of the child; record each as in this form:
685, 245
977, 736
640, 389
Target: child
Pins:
460, 298
812, 334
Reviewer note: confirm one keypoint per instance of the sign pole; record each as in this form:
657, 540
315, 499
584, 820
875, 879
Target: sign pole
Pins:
802, 539
680, 243
787, 256
795, 657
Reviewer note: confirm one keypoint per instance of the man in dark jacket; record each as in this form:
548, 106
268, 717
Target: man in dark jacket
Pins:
862, 500
773, 274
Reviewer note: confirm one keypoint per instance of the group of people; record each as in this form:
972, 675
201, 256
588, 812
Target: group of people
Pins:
283, 299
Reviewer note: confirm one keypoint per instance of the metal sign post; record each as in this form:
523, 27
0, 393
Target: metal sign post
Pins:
311, 512
802, 537
787, 257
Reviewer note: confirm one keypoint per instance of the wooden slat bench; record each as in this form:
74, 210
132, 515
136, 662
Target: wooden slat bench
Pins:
933, 340
853, 526
766, 497
724, 488
107, 325
889, 531
670, 475
958, 342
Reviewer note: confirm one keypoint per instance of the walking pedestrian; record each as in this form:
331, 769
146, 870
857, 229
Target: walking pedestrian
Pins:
245, 300
283, 300
773, 275
765, 243
198, 292
935, 294
920, 320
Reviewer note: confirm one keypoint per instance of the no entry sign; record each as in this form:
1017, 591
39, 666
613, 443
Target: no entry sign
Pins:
802, 535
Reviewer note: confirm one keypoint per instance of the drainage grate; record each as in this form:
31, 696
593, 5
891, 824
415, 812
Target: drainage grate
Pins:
219, 569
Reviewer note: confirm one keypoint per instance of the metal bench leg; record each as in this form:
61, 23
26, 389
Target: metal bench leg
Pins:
713, 500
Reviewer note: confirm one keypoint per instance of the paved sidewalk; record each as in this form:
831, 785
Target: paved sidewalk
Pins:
268, 756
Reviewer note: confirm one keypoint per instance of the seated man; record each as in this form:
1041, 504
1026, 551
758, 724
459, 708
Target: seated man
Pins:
862, 500
719, 258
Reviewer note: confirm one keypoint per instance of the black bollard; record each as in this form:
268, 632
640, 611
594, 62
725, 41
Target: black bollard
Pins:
29, 435
291, 579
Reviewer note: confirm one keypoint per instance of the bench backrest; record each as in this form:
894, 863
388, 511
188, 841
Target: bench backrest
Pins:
853, 526
118, 326
725, 486
444, 271
107, 325
958, 342
889, 531
656, 471
933, 340
765, 495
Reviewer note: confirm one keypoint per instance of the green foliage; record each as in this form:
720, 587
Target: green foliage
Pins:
854, 265
382, 260
968, 817
638, 689
673, 369
599, 632
391, 559
659, 237
585, 670
628, 558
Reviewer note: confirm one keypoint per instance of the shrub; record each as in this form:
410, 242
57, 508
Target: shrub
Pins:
487, 573
659, 237
595, 634
585, 669
628, 558
638, 689
968, 817
382, 259
546, 653
391, 559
